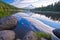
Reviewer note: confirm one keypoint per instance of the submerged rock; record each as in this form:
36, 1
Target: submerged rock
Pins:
22, 28
8, 23
7, 35
30, 36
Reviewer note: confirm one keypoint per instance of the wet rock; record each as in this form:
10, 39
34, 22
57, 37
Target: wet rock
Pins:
30, 36
7, 35
57, 32
8, 23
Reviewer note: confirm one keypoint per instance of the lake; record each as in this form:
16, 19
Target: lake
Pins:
28, 21
43, 18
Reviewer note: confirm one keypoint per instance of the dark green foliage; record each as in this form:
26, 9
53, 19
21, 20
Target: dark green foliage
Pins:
52, 11
55, 7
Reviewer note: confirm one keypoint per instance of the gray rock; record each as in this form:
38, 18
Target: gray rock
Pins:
30, 36
57, 32
8, 23
43, 39
7, 35
18, 39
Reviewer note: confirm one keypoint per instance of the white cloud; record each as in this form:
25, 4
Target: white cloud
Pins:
29, 1
35, 3
44, 3
23, 3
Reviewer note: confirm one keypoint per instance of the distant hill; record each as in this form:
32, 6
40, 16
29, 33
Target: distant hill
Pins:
7, 9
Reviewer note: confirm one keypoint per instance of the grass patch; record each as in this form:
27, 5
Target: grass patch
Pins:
7, 9
43, 35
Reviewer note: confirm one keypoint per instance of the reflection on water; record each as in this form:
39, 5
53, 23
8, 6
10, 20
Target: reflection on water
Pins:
51, 14
46, 20
43, 18
40, 16
25, 24
49, 19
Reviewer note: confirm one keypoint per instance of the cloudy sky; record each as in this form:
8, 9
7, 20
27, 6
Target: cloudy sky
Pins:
30, 3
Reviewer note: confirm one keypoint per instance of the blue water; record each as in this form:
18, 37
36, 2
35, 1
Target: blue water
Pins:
23, 27
52, 24
49, 23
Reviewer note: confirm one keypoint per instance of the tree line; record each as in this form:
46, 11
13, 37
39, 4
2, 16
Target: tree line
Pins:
53, 7
52, 10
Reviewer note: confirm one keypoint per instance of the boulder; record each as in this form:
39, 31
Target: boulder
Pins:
8, 23
7, 35
57, 33
30, 36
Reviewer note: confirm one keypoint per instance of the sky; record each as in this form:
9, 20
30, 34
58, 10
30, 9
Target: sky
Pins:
30, 3
9, 1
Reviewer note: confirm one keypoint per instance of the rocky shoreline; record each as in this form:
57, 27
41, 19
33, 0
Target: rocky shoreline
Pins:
8, 32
